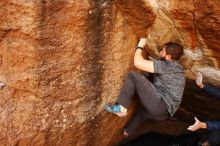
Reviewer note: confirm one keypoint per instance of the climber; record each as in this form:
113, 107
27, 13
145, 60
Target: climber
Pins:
214, 137
159, 99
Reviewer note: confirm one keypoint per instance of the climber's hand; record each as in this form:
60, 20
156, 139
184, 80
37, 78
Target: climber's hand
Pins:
197, 125
142, 42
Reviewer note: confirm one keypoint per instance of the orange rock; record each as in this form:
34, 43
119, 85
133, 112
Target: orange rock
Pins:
63, 60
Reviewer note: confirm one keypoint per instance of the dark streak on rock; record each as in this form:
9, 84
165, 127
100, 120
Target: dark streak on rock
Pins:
92, 59
49, 35
93, 51
50, 46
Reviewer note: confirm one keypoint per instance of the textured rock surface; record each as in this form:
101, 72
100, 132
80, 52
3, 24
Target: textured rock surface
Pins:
62, 60
55, 61
194, 24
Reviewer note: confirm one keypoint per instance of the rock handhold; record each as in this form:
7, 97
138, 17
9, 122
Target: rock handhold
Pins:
2, 85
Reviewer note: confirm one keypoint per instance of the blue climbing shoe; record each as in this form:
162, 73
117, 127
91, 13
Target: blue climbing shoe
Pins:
115, 109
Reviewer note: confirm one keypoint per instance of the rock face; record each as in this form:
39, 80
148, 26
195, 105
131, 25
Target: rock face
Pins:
195, 25
62, 61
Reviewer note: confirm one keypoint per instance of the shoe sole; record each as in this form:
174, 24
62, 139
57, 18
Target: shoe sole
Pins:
120, 114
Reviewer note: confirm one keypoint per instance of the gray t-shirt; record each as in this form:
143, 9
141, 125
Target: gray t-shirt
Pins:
170, 82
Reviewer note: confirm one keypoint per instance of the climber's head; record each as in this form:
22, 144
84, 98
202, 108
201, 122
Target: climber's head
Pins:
171, 51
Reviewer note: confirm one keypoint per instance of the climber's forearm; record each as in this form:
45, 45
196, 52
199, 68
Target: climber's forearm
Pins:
141, 63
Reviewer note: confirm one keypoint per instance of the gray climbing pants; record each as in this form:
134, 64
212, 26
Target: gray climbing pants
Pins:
153, 107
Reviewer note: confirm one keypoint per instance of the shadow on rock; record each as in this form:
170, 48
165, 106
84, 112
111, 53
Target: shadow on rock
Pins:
153, 139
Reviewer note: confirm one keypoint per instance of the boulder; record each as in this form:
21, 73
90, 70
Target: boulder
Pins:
61, 61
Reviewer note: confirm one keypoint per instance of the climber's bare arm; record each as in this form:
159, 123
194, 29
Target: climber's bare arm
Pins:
141, 63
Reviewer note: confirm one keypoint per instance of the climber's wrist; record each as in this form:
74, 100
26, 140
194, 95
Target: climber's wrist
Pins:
138, 47
203, 125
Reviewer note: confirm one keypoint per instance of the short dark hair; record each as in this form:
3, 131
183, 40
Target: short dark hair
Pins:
174, 49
